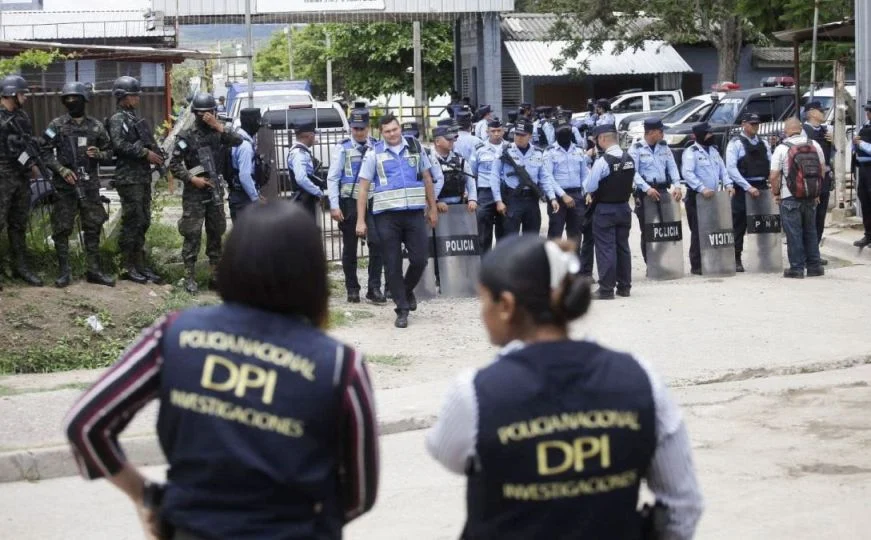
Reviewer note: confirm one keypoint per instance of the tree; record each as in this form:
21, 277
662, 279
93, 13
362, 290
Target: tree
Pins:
31, 58
629, 24
181, 79
369, 59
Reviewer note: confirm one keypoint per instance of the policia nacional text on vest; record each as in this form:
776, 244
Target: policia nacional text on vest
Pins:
566, 467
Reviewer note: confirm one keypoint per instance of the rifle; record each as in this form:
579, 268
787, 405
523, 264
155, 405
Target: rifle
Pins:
143, 130
82, 176
31, 152
522, 175
207, 166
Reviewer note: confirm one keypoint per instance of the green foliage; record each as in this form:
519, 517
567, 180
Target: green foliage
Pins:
369, 59
181, 79
33, 58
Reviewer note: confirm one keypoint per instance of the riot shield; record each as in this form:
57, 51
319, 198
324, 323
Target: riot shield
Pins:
762, 243
716, 234
663, 234
456, 254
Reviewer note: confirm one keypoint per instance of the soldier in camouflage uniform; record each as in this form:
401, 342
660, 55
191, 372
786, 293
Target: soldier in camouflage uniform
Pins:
132, 179
203, 197
16, 167
75, 143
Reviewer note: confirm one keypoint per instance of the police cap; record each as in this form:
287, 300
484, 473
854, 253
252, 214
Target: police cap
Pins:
750, 118
653, 123
512, 116
464, 115
304, 128
868, 105
604, 104
524, 127
814, 105
410, 129
700, 130
604, 129
444, 131
494, 123
484, 109
359, 118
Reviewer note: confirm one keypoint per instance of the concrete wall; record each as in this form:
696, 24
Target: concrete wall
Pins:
703, 59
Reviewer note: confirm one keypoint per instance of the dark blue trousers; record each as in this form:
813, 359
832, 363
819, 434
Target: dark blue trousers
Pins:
395, 229
571, 220
611, 224
488, 220
239, 200
349, 248
523, 215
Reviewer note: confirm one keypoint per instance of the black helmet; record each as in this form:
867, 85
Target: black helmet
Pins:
76, 89
13, 84
204, 102
125, 86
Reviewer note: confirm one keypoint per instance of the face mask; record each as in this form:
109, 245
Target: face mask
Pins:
707, 142
76, 108
251, 128
564, 138
199, 120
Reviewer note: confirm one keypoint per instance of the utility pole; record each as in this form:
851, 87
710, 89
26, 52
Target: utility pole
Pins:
329, 68
289, 32
250, 60
418, 77
814, 49
844, 207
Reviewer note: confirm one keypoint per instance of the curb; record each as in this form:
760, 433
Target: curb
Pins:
57, 461
841, 246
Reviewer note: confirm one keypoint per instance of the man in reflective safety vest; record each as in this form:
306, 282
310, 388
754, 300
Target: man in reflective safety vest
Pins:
398, 170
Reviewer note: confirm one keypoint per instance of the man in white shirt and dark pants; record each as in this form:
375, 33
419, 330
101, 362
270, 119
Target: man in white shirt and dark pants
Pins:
798, 215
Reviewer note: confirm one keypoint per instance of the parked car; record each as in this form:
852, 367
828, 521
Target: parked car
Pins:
268, 96
631, 128
826, 97
771, 104
638, 101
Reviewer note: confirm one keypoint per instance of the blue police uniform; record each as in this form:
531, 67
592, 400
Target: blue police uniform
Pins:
343, 191
481, 129
455, 178
299, 160
604, 119
863, 188
656, 168
243, 190
611, 183
486, 166
569, 169
399, 196
524, 215
748, 163
466, 143
701, 168
521, 484
550, 136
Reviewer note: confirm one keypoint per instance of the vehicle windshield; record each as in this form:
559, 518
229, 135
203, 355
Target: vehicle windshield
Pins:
726, 111
677, 113
273, 102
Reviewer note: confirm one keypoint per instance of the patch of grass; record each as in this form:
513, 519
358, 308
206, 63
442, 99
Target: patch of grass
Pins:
24, 317
391, 360
164, 236
344, 317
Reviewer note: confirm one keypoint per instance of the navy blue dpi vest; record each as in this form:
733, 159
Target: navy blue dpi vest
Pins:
566, 432
248, 422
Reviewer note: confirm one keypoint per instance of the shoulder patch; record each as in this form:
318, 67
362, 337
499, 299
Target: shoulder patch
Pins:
479, 145
639, 145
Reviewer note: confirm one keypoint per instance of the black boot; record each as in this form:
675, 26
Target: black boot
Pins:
94, 274
63, 264
130, 272
149, 274
20, 269
412, 301
353, 297
376, 296
865, 241
738, 266
190, 280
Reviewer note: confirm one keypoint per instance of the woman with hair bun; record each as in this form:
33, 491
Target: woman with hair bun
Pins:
556, 434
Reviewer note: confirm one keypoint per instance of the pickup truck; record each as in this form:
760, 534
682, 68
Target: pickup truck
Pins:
267, 96
631, 128
771, 104
637, 101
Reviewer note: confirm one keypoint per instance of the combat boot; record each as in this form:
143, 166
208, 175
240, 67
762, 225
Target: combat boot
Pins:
130, 273
20, 269
739, 267
149, 274
63, 264
190, 281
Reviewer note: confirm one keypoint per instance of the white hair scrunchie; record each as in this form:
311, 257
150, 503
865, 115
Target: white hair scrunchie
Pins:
562, 263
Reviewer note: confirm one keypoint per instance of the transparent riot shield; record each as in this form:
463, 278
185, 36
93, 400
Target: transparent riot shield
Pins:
716, 234
663, 235
763, 250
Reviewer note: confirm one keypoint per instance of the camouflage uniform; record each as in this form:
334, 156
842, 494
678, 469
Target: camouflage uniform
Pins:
67, 141
133, 182
14, 187
200, 205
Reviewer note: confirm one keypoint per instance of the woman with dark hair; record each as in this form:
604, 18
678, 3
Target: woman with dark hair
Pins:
556, 435
267, 423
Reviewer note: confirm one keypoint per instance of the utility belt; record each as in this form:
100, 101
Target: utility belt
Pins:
758, 184
574, 191
518, 192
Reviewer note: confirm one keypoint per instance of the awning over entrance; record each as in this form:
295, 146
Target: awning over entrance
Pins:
535, 59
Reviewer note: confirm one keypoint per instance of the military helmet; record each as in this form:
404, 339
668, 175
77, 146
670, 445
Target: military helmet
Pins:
204, 102
125, 86
12, 85
76, 88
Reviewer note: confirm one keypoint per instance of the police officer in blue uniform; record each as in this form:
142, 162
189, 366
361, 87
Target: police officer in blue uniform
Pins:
817, 131
455, 183
487, 169
748, 163
603, 115
862, 147
610, 186
543, 116
343, 193
267, 424
569, 167
466, 142
242, 186
310, 189
655, 170
485, 114
555, 435
403, 201
704, 172
519, 202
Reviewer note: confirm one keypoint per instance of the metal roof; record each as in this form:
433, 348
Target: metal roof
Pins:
62, 25
108, 52
536, 26
779, 55
535, 59
834, 31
